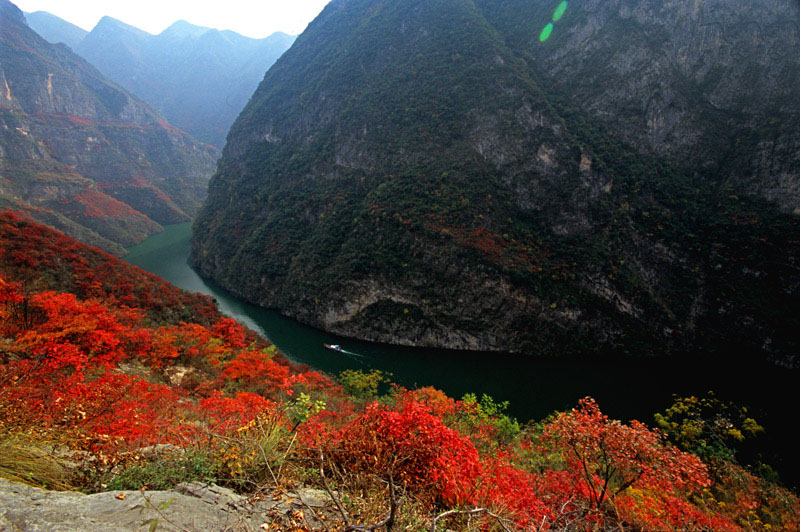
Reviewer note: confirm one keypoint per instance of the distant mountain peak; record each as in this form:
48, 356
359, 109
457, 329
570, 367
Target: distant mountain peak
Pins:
182, 28
200, 78
111, 23
55, 29
280, 35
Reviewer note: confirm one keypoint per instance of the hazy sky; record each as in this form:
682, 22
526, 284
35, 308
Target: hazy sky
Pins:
254, 18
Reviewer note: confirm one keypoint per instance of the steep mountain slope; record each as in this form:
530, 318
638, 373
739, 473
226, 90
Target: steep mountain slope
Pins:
408, 173
712, 84
55, 29
199, 78
78, 152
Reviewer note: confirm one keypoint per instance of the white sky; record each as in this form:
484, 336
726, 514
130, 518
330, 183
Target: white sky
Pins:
253, 18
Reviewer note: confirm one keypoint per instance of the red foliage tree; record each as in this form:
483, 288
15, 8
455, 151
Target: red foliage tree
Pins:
629, 468
610, 457
407, 443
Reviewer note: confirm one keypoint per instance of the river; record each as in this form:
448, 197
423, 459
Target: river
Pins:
630, 388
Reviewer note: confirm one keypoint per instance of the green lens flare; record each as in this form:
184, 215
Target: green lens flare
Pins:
560, 10
546, 32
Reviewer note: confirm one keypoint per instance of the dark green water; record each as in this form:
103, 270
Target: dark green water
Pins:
624, 388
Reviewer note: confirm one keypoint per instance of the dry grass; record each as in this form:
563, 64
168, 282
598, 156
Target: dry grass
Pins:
31, 461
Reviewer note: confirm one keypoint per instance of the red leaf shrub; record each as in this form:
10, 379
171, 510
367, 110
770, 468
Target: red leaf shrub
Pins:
407, 442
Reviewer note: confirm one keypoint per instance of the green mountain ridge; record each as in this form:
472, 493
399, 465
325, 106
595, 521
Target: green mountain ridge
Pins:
81, 154
409, 173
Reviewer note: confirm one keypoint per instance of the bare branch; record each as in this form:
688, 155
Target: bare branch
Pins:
286, 454
394, 504
475, 511
149, 504
330, 492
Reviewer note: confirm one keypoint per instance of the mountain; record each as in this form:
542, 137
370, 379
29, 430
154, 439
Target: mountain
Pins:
199, 78
708, 84
55, 29
80, 153
423, 173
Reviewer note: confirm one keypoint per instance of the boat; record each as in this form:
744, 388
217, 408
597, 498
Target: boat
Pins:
334, 347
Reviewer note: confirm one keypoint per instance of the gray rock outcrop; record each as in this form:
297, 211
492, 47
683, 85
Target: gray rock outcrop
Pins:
189, 507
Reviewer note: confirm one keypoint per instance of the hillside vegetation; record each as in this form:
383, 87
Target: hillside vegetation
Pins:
101, 364
79, 153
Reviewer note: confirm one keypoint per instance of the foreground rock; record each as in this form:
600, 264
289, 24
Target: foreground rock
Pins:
189, 507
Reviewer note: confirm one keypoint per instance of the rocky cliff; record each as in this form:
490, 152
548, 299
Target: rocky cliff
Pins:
79, 152
423, 173
711, 84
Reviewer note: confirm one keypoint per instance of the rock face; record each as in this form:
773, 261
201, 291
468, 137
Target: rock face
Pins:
199, 78
191, 506
80, 153
711, 84
425, 173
